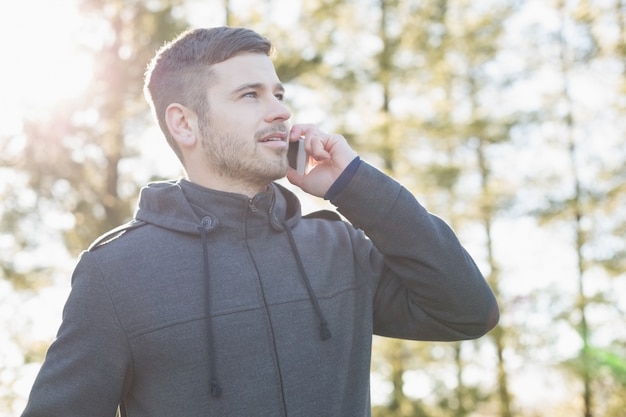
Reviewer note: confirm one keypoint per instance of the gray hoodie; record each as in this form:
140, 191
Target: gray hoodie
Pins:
214, 304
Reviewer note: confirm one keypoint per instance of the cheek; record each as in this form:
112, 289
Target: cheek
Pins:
229, 132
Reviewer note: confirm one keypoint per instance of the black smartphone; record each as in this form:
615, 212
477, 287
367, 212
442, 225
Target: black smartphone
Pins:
298, 159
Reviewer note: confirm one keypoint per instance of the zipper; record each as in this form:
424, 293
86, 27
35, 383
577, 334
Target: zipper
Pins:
270, 324
252, 206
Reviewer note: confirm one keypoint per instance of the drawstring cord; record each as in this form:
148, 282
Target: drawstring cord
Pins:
325, 334
324, 330
216, 389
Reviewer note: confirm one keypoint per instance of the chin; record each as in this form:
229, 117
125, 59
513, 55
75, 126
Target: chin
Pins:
281, 168
282, 174
274, 173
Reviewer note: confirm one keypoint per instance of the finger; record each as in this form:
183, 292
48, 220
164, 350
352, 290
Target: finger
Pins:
317, 148
302, 129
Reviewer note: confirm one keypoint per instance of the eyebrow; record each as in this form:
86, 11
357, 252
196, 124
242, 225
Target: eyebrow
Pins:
256, 86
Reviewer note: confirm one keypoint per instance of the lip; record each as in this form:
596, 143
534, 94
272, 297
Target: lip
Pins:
275, 139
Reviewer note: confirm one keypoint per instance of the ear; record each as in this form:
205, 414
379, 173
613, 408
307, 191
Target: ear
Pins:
182, 123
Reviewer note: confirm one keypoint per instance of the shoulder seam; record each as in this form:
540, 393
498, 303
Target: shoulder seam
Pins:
115, 233
323, 214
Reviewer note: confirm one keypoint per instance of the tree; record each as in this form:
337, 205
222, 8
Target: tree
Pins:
586, 193
70, 169
431, 56
462, 62
431, 92
73, 158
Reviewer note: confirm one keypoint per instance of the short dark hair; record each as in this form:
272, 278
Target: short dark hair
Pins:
180, 72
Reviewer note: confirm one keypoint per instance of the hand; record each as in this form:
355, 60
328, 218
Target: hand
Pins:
329, 154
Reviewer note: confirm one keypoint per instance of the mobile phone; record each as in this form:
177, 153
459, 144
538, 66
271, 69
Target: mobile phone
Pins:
298, 159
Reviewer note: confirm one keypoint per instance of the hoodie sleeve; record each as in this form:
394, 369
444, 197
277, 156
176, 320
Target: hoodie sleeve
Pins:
429, 287
84, 370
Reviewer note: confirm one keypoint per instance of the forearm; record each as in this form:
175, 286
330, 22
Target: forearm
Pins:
431, 287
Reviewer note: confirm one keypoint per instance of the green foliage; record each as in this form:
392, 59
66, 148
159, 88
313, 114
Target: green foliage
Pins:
72, 157
612, 360
62, 175
449, 97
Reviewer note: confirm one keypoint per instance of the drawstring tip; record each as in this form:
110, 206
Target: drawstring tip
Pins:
216, 390
325, 331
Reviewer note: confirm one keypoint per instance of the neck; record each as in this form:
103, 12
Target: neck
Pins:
227, 184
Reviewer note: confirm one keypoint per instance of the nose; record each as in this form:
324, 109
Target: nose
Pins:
278, 111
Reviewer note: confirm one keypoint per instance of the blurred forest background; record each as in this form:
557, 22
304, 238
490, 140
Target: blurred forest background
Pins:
506, 118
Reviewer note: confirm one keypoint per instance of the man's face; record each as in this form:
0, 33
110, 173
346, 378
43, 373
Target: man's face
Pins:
245, 134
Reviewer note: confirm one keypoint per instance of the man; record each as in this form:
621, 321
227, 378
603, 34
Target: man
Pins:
220, 299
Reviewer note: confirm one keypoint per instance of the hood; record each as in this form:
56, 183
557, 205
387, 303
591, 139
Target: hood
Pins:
170, 205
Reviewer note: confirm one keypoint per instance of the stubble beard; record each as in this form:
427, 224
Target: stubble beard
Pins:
229, 156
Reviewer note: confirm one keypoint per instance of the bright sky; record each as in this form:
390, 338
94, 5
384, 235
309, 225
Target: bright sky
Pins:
41, 64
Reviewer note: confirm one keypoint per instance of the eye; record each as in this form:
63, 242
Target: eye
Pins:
250, 94
280, 96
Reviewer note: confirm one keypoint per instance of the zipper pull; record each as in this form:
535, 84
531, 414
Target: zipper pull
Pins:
252, 206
